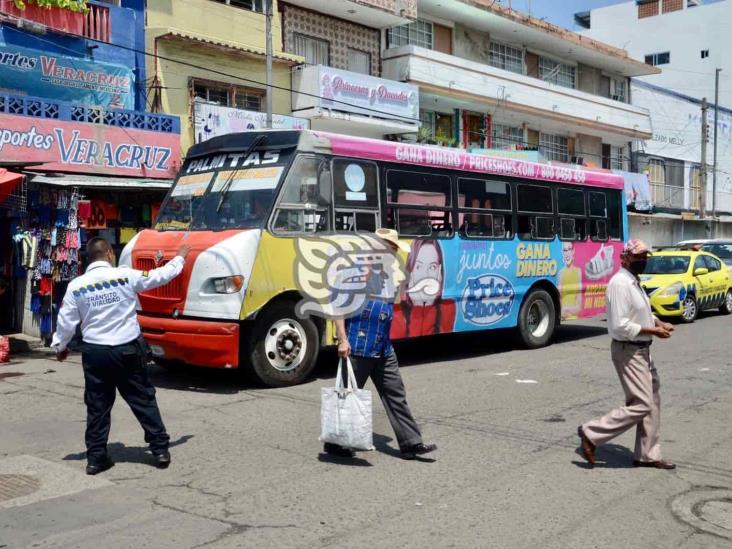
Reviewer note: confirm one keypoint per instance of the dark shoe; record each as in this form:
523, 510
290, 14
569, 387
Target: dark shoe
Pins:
162, 459
418, 450
588, 449
660, 464
94, 468
337, 450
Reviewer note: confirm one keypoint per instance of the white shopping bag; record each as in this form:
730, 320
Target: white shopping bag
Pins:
345, 413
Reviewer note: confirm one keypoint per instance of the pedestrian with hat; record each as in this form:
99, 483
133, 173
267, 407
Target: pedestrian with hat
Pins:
632, 327
365, 339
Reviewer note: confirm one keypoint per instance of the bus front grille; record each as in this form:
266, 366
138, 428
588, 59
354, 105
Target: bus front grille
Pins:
171, 290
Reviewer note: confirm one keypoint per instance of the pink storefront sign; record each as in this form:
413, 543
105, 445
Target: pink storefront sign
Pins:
440, 157
79, 147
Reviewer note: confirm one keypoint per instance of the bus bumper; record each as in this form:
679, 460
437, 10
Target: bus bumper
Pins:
208, 343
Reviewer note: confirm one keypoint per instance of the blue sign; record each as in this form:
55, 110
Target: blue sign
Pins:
32, 72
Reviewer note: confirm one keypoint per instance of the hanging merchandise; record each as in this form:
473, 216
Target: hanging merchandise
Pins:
110, 211
126, 234
85, 209
98, 218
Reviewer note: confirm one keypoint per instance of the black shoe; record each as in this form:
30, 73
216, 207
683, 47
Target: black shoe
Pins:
418, 450
162, 459
337, 450
99, 466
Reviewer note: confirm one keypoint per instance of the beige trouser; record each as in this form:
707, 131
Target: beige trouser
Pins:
640, 382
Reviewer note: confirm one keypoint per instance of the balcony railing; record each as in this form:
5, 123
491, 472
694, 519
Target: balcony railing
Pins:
61, 110
667, 196
97, 24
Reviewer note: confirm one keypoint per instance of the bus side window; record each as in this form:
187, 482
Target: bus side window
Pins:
355, 195
598, 216
614, 215
571, 209
536, 212
419, 204
484, 209
304, 202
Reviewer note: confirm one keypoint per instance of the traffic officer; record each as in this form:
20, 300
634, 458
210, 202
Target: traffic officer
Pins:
114, 355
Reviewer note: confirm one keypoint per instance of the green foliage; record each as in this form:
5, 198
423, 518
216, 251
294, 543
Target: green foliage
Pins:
78, 6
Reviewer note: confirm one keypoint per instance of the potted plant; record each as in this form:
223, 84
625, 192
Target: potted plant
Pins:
62, 15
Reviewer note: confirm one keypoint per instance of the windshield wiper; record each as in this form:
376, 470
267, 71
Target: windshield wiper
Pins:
260, 140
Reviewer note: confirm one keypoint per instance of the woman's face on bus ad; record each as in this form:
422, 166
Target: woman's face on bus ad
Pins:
427, 267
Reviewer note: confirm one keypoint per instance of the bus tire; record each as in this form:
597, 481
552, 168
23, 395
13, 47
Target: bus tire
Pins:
537, 319
283, 348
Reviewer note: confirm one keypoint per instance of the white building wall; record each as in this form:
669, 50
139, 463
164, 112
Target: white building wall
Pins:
682, 33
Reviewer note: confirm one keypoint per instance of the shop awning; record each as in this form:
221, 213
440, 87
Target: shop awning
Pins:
100, 181
9, 181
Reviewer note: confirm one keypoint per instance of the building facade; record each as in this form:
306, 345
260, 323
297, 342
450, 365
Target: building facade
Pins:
80, 155
492, 78
209, 66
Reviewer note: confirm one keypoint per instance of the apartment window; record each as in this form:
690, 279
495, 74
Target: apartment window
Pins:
314, 50
359, 61
618, 89
554, 147
658, 58
557, 73
227, 95
616, 158
507, 137
704, 54
507, 58
251, 5
419, 33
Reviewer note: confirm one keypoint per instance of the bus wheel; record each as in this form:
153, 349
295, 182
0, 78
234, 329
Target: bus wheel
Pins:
537, 319
283, 348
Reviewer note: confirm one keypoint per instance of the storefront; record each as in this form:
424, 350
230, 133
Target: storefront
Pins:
78, 180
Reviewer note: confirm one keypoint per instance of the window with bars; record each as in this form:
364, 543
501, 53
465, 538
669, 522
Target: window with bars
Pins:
315, 50
554, 147
420, 33
251, 5
228, 95
557, 73
507, 137
616, 158
507, 58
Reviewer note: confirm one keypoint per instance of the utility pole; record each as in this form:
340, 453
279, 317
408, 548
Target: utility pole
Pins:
268, 16
716, 116
704, 137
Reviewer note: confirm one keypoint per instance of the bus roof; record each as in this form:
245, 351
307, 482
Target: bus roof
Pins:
443, 157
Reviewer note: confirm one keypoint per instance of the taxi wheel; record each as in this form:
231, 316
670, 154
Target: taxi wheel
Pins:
726, 307
283, 348
691, 309
537, 319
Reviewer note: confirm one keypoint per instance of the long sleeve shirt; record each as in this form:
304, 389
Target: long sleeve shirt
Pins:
628, 308
104, 300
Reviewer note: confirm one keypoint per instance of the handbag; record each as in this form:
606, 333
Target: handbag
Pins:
345, 412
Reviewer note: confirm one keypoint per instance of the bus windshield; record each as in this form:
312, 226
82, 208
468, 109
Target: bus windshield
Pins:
226, 199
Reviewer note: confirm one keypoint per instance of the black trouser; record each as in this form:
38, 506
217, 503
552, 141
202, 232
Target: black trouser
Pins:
384, 372
108, 368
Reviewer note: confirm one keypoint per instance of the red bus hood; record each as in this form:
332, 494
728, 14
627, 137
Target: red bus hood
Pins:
214, 254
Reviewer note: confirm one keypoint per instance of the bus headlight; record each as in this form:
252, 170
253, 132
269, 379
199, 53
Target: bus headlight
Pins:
672, 290
228, 284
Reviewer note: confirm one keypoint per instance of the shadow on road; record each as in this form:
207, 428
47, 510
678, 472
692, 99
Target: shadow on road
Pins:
411, 352
119, 453
608, 456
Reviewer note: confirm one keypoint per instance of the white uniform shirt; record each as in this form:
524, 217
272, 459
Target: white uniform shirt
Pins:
628, 308
104, 300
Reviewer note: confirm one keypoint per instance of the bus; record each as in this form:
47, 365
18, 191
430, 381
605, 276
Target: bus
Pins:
495, 243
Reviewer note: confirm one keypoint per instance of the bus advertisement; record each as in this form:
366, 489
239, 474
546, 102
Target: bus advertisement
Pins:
279, 221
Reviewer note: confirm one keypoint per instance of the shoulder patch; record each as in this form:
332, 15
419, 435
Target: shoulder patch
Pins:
145, 273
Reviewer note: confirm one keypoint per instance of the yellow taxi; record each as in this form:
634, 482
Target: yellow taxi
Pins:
681, 283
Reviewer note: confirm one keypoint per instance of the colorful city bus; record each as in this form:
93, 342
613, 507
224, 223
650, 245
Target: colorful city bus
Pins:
504, 243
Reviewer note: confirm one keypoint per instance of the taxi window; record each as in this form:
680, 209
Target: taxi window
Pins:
713, 264
699, 263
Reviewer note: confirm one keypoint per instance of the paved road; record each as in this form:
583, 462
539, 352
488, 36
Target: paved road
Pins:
247, 471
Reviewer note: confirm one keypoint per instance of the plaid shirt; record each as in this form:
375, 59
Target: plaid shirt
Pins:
368, 332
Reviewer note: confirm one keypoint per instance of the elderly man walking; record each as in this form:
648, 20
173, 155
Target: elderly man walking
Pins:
632, 326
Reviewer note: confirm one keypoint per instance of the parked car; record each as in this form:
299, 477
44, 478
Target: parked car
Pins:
681, 283
721, 247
